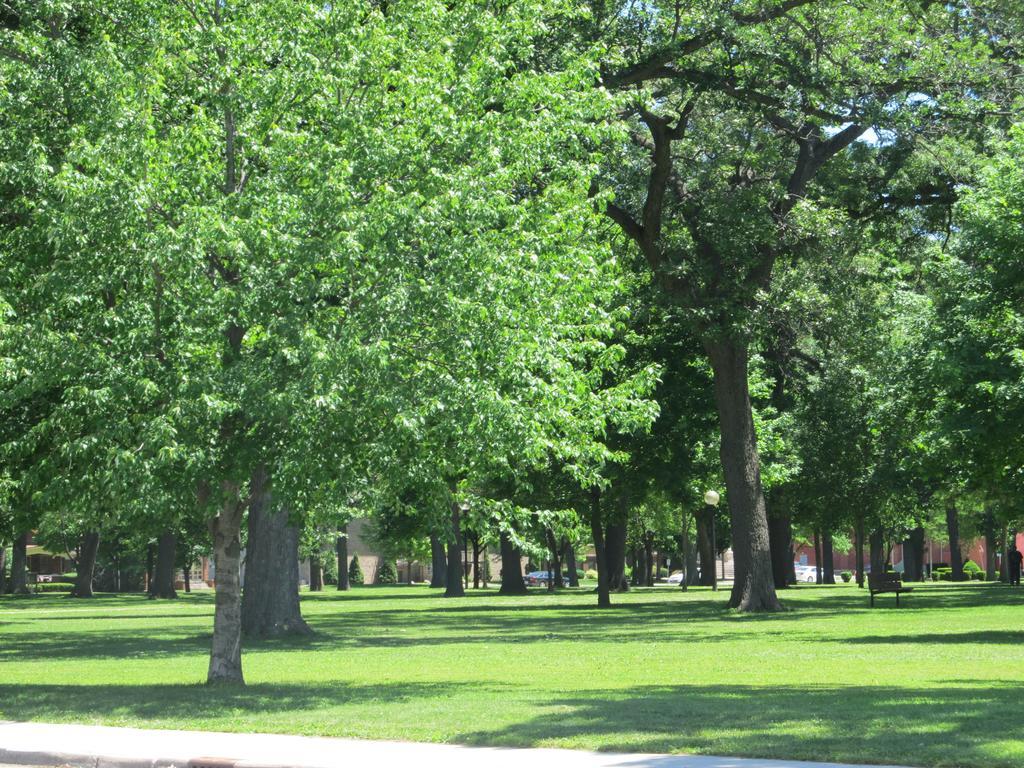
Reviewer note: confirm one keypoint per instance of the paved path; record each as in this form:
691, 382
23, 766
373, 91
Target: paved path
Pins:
40, 744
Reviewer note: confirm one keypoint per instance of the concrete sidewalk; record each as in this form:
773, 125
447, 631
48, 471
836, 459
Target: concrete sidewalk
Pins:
101, 747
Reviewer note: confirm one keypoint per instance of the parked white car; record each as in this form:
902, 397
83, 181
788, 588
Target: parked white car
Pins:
675, 578
806, 574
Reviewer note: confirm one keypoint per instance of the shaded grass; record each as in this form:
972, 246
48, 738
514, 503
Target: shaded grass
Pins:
935, 683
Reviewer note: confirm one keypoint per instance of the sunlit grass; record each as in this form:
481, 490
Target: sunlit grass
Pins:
936, 683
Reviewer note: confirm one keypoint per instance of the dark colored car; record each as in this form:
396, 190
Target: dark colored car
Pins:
542, 578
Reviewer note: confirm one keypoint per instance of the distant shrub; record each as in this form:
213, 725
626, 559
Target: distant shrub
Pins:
846, 576
663, 573
973, 570
54, 586
590, 575
942, 574
629, 572
355, 572
386, 573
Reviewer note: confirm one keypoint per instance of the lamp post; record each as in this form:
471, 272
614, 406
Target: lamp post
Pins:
711, 499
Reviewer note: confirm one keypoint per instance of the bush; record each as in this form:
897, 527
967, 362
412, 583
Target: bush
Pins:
942, 574
386, 573
590, 575
54, 586
355, 573
663, 573
629, 572
973, 571
846, 576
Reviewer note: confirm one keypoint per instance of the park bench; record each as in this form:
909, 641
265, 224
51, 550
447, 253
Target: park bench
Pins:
883, 583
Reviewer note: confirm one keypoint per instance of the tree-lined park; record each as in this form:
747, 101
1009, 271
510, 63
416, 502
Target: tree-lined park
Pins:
538, 279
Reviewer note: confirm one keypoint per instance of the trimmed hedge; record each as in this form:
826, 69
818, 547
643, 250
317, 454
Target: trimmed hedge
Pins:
54, 586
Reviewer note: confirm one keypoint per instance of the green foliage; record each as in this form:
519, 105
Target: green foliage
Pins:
355, 572
590, 575
846, 576
385, 572
53, 586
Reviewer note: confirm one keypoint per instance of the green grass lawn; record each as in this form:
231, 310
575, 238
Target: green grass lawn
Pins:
939, 682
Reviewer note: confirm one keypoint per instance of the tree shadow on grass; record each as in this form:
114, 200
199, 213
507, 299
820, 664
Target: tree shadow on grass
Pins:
164, 703
978, 727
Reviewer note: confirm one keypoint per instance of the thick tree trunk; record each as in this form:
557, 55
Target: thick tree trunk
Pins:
615, 554
913, 555
780, 542
570, 565
454, 586
753, 587
600, 550
86, 564
877, 544
270, 601
858, 536
827, 558
316, 574
438, 563
511, 568
19, 565
990, 546
162, 585
226, 650
341, 551
956, 562
705, 546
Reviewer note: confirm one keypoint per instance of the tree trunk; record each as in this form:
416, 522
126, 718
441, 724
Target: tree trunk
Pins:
438, 563
753, 587
454, 586
162, 585
150, 557
1004, 563
913, 551
19, 565
956, 562
3, 567
270, 601
650, 566
476, 561
690, 553
858, 536
705, 546
226, 650
600, 550
615, 553
341, 550
511, 568
637, 564
780, 543
827, 558
186, 573
555, 569
877, 543
818, 578
86, 564
569, 555
990, 546
316, 574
